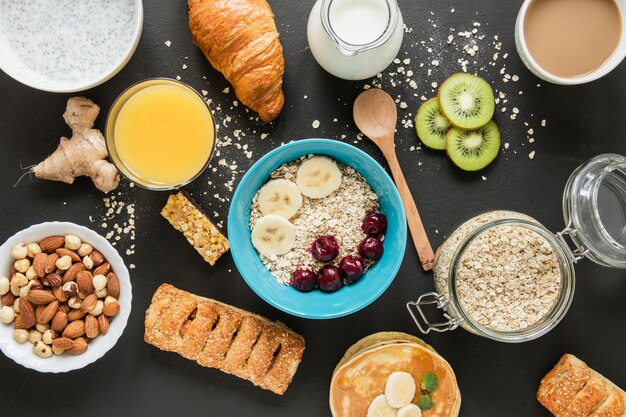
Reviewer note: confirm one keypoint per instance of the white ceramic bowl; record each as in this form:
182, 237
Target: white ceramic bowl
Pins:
23, 353
533, 66
14, 67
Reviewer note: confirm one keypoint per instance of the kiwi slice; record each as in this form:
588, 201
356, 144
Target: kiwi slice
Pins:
467, 100
472, 150
432, 125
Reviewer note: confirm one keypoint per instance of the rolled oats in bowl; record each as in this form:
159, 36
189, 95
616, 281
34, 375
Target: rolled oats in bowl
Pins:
311, 221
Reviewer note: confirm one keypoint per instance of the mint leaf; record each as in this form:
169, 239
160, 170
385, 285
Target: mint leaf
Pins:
425, 402
430, 382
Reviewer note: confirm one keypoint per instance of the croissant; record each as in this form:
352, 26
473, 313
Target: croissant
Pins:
239, 38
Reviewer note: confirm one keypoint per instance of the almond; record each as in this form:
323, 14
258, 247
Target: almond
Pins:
103, 323
52, 280
7, 299
64, 308
103, 269
70, 274
96, 257
51, 243
75, 315
74, 329
91, 327
63, 343
84, 279
80, 346
59, 293
40, 297
111, 309
59, 321
27, 312
51, 263
68, 252
113, 285
48, 312
88, 303
39, 264
21, 324
38, 312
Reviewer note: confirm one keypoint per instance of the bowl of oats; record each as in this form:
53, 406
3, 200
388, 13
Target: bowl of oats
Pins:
317, 228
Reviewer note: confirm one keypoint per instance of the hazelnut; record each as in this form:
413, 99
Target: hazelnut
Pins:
101, 293
5, 285
24, 291
33, 249
41, 328
72, 242
74, 302
84, 250
34, 336
16, 306
20, 335
18, 281
7, 315
99, 282
41, 349
48, 336
97, 309
22, 265
57, 351
63, 263
88, 262
19, 251
52, 280
30, 273
110, 300
70, 289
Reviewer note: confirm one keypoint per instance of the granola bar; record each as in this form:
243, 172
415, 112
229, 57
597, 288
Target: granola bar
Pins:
184, 214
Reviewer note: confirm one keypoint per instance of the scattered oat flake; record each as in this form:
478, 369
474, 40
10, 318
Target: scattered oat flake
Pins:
315, 124
531, 155
226, 90
168, 43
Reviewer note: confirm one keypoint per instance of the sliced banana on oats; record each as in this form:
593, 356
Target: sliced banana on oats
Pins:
281, 197
400, 389
318, 177
410, 410
273, 235
379, 407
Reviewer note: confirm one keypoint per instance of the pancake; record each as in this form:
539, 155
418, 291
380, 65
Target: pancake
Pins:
362, 373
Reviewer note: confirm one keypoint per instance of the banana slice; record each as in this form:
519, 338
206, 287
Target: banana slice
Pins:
281, 197
380, 408
318, 177
400, 389
273, 235
410, 410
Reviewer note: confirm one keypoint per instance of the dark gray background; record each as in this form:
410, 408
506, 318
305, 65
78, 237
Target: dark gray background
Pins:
495, 379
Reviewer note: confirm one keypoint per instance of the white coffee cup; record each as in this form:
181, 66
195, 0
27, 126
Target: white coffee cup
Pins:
534, 67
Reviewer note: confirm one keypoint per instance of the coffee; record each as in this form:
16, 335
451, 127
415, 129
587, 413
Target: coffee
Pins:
572, 38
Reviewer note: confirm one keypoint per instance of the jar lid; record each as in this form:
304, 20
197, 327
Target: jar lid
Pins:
594, 209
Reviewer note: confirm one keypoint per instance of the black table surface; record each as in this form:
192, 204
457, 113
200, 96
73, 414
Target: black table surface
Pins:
495, 379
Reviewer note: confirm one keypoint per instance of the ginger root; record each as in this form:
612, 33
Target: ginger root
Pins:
84, 153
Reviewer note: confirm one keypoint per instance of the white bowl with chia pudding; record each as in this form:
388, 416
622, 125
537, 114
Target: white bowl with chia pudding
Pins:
67, 46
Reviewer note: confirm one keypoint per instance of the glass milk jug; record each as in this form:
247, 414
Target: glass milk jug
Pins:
355, 39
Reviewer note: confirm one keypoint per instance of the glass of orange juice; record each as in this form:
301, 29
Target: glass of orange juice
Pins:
160, 133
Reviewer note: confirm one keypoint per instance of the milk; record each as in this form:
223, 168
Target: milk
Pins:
355, 39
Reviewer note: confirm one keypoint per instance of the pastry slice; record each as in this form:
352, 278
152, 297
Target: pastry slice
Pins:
220, 336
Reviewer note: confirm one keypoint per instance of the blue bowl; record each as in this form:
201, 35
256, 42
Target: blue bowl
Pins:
316, 304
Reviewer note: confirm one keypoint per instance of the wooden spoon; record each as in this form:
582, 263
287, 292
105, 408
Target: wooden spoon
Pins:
376, 115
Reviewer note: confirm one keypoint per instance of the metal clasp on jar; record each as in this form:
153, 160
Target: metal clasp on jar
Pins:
580, 252
440, 303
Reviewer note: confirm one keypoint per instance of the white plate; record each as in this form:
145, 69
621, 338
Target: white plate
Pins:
24, 56
23, 353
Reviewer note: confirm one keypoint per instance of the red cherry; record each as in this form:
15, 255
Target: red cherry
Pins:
352, 268
374, 223
325, 248
303, 280
329, 278
371, 248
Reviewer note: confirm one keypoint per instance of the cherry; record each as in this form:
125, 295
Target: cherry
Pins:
329, 278
303, 280
374, 223
325, 248
352, 268
371, 248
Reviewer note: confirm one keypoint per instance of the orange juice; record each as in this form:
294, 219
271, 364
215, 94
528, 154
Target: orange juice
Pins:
163, 134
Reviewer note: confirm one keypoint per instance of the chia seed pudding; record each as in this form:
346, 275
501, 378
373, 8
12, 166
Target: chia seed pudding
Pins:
339, 214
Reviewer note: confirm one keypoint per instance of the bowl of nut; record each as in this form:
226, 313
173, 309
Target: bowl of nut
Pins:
65, 297
317, 228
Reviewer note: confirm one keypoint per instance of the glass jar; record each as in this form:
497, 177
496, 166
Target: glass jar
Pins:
594, 207
355, 40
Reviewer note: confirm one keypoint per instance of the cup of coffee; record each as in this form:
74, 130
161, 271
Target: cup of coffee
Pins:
571, 41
